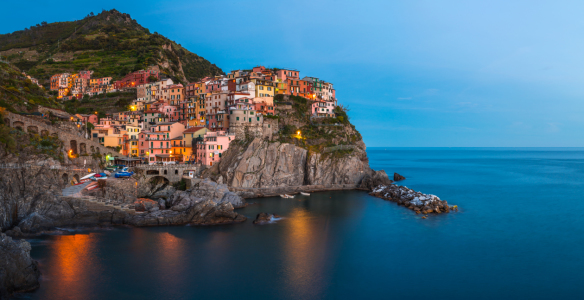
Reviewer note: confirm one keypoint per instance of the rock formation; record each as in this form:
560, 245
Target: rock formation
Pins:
262, 218
416, 201
397, 177
274, 167
18, 272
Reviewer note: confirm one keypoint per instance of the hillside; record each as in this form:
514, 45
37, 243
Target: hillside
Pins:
110, 43
18, 93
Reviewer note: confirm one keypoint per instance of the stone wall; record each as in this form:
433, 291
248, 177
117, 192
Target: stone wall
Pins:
264, 130
173, 173
73, 140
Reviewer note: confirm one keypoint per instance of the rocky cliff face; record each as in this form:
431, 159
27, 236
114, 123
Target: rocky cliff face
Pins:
18, 272
31, 202
268, 165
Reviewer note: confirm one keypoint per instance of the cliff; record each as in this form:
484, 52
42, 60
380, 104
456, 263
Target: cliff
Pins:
305, 154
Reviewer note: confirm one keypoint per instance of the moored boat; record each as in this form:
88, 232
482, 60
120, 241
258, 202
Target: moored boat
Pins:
305, 194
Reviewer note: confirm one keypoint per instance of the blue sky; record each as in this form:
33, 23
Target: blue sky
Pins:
414, 73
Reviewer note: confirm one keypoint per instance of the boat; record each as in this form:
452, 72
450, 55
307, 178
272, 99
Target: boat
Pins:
284, 196
305, 194
290, 196
87, 176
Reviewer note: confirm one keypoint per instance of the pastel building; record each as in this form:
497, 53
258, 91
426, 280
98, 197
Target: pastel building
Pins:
324, 108
210, 150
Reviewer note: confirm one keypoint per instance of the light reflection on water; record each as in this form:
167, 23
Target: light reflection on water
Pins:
72, 256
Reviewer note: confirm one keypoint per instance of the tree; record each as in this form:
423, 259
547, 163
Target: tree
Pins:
44, 23
152, 78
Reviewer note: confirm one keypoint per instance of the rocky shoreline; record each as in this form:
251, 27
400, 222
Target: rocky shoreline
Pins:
419, 202
18, 272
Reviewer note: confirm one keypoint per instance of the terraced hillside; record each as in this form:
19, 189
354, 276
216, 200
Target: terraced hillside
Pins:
110, 43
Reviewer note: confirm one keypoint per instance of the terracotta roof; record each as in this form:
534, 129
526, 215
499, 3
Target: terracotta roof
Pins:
193, 129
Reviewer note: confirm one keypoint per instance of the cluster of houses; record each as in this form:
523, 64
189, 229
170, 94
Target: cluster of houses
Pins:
171, 123
77, 85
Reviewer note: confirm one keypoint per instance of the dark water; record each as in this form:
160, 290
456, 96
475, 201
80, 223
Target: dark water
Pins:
519, 235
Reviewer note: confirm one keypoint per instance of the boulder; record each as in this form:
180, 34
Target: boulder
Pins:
143, 204
397, 177
18, 272
262, 218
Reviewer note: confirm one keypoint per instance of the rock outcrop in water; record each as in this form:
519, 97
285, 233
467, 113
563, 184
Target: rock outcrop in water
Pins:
263, 218
397, 177
18, 272
416, 201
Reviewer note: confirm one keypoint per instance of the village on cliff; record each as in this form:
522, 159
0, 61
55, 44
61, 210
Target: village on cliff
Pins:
170, 123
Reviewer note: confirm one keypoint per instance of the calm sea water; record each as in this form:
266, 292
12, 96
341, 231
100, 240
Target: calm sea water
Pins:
519, 235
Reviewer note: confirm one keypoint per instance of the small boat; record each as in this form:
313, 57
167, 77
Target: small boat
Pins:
88, 176
284, 196
290, 196
305, 194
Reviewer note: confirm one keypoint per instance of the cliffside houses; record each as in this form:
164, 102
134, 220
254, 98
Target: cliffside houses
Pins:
171, 123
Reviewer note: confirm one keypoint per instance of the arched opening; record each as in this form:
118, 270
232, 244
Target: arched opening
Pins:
157, 183
7, 122
82, 148
54, 134
32, 129
18, 125
73, 145
44, 132
76, 178
97, 150
175, 172
165, 172
152, 172
65, 178
92, 149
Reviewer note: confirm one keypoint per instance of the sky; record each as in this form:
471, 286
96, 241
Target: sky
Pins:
413, 73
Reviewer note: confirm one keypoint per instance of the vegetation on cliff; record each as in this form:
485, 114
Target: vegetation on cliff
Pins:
110, 43
18, 93
315, 134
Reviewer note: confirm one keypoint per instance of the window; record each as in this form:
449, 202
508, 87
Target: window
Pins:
237, 118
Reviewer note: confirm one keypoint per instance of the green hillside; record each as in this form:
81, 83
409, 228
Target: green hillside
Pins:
18, 93
110, 43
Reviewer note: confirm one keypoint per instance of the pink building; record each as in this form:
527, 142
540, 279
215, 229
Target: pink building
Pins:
88, 118
159, 141
143, 144
209, 151
288, 74
324, 108
168, 110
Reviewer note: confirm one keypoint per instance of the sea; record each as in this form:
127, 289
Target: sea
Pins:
519, 234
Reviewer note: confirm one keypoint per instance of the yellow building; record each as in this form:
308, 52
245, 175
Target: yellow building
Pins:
263, 88
200, 111
189, 135
178, 149
133, 131
134, 148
